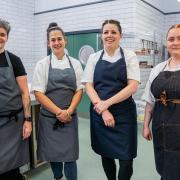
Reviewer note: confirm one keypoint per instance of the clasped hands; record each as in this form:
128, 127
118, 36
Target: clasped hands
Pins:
64, 116
102, 108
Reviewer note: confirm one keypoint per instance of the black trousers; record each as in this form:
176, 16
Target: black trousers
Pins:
12, 174
125, 168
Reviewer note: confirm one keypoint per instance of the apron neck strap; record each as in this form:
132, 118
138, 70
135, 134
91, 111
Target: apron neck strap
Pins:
121, 51
69, 61
50, 58
8, 59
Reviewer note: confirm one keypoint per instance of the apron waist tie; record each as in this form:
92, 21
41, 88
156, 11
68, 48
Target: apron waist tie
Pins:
57, 124
164, 99
13, 113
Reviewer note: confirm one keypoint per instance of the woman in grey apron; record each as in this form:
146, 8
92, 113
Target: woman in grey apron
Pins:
58, 121
15, 114
163, 102
113, 111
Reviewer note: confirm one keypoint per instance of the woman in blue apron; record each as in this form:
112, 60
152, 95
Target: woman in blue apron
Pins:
15, 114
162, 94
56, 85
111, 77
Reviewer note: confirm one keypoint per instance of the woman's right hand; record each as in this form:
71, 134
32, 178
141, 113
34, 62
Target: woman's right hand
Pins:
63, 116
108, 119
147, 133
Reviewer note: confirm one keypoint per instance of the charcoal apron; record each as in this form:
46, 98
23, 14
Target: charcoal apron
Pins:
13, 150
166, 125
60, 143
121, 141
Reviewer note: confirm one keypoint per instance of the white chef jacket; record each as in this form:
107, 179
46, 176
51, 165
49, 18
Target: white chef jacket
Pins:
164, 66
131, 60
40, 76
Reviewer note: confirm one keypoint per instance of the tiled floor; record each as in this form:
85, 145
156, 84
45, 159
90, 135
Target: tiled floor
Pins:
89, 164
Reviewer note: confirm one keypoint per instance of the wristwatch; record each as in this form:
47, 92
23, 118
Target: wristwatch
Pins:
28, 119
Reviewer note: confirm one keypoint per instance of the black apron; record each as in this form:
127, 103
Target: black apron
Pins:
166, 125
121, 141
14, 151
60, 143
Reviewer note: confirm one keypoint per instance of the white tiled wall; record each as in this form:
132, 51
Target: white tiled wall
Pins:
171, 20
28, 36
21, 42
55, 4
149, 26
84, 18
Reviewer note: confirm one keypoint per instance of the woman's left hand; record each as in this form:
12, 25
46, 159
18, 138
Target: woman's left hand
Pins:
27, 129
101, 106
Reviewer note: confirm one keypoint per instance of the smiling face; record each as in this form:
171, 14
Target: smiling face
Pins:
173, 42
3, 38
56, 42
111, 36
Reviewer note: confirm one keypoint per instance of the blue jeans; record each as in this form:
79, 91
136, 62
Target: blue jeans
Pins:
70, 170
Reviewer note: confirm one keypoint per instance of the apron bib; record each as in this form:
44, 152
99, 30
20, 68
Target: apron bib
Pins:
121, 141
14, 151
60, 144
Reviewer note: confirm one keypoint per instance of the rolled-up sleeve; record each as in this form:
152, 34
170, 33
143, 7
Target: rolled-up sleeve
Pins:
148, 96
39, 81
79, 74
133, 70
88, 74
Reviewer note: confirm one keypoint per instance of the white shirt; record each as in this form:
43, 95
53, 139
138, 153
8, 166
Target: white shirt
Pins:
164, 66
131, 60
40, 76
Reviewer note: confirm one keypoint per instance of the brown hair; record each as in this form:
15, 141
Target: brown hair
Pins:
52, 27
112, 21
175, 26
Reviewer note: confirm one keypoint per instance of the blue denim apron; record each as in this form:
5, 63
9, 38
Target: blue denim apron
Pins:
166, 125
121, 141
60, 143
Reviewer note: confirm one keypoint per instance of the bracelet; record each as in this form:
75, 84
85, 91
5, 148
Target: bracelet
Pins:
57, 114
70, 117
29, 119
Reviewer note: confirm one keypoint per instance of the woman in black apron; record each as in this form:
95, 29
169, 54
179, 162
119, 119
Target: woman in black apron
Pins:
58, 121
162, 94
15, 113
113, 111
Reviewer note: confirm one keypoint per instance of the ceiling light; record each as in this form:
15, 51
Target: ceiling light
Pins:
178, 1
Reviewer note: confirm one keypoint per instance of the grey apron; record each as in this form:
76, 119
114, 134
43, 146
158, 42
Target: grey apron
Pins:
13, 150
59, 144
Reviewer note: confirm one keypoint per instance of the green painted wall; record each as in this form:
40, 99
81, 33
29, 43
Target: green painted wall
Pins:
75, 42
